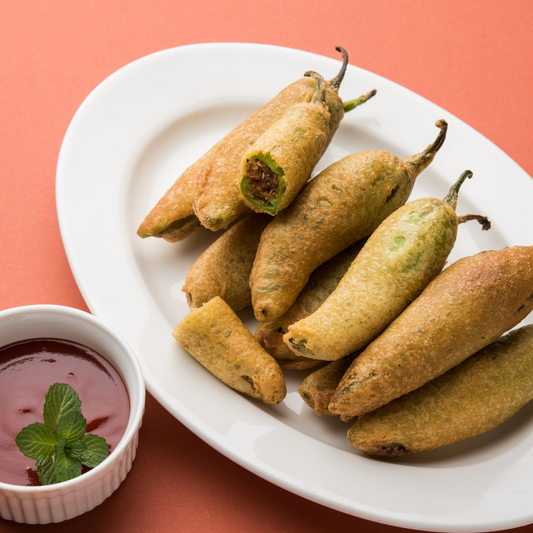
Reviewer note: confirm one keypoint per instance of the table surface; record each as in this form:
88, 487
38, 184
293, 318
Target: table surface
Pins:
471, 58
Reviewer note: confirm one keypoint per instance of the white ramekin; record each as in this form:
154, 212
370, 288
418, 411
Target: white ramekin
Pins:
55, 503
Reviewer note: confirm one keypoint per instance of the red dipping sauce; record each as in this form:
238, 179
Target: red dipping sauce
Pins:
27, 369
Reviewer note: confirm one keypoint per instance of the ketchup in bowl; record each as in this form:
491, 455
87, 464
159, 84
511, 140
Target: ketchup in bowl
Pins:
27, 369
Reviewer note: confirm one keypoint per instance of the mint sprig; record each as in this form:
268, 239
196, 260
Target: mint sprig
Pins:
60, 445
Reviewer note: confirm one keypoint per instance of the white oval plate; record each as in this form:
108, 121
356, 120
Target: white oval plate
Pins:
128, 142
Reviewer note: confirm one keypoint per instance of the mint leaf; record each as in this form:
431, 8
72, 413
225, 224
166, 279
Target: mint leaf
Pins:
97, 450
76, 448
36, 441
59, 399
71, 426
66, 467
60, 445
46, 471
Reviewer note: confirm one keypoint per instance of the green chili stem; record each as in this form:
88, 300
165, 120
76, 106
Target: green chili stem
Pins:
424, 158
337, 80
484, 221
352, 104
451, 197
439, 141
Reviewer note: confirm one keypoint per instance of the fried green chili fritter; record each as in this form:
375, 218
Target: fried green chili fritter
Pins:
279, 163
217, 339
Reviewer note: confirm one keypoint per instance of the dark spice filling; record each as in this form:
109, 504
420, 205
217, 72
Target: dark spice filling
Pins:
262, 181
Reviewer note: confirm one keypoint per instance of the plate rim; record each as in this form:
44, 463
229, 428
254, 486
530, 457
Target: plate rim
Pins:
387, 518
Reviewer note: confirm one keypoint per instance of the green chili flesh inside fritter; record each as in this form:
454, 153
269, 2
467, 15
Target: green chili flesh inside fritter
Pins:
263, 183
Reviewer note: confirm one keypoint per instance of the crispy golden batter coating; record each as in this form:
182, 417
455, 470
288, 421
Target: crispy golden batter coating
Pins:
216, 338
321, 284
173, 217
399, 259
318, 388
294, 144
465, 308
468, 400
218, 201
224, 268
